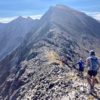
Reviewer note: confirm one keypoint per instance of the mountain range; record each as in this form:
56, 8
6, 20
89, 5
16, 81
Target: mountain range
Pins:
13, 33
35, 69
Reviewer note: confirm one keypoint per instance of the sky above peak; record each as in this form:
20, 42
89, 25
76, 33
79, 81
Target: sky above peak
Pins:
36, 8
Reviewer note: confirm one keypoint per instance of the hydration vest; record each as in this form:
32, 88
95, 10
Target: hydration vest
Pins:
93, 63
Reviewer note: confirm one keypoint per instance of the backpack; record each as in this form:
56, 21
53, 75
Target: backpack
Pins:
93, 63
81, 64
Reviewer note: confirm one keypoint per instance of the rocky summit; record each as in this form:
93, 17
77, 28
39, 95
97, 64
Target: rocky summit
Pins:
41, 68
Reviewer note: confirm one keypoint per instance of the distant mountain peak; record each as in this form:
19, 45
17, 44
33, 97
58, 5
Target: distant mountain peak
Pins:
29, 18
59, 12
20, 18
61, 6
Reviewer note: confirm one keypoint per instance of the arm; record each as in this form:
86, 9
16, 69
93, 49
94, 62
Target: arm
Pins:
87, 62
98, 64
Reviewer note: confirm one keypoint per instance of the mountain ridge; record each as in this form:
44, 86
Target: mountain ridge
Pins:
35, 69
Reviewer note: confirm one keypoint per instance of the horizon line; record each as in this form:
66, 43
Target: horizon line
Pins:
10, 19
95, 15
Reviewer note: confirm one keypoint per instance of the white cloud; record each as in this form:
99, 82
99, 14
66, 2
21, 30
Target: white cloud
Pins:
95, 15
8, 19
36, 16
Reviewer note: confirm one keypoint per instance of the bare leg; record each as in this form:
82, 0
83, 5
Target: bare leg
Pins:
82, 74
93, 81
89, 80
91, 85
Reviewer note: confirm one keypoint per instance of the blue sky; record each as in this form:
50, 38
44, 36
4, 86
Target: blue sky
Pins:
35, 8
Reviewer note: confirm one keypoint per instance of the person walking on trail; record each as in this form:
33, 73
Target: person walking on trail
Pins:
81, 66
93, 65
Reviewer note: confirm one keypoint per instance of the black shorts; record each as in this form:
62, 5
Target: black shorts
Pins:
92, 73
81, 69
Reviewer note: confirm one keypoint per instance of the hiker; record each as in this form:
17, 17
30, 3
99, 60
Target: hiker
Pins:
93, 65
81, 66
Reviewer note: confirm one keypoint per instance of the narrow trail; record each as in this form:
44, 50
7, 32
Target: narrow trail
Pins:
77, 87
